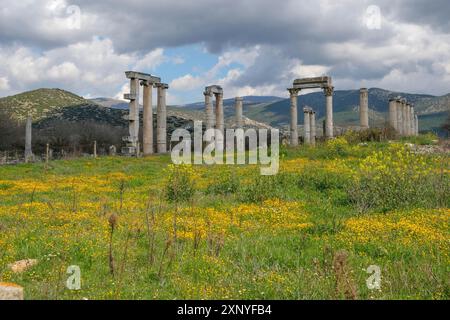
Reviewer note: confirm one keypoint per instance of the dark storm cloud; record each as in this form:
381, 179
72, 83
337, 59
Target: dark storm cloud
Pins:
314, 32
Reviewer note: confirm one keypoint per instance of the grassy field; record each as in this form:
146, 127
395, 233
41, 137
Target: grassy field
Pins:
144, 229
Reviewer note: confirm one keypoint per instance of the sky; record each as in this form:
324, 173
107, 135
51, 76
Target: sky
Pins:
249, 47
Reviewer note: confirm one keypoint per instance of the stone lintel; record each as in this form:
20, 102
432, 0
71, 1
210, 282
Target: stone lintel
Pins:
161, 85
214, 89
311, 83
142, 76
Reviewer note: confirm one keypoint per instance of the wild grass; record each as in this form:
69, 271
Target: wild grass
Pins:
143, 229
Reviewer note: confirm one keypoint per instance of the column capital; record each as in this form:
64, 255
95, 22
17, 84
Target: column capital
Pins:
328, 91
239, 99
207, 93
161, 85
293, 91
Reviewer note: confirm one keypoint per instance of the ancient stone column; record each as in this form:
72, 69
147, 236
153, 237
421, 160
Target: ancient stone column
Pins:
312, 117
399, 108
405, 118
416, 119
209, 110
134, 111
28, 150
393, 113
408, 116
161, 119
412, 124
329, 112
239, 120
220, 123
307, 125
147, 119
364, 108
294, 116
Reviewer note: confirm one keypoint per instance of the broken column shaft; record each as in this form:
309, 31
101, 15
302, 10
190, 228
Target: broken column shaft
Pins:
329, 112
294, 116
364, 108
239, 119
28, 135
307, 125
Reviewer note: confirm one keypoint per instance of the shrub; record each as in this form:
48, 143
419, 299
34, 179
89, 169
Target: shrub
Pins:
338, 146
398, 178
321, 180
423, 139
227, 183
180, 184
263, 188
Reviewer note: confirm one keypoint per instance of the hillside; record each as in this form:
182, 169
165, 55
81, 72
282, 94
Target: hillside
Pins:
38, 102
346, 104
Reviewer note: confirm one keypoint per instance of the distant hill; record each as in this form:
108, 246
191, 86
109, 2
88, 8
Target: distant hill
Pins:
38, 102
346, 105
50, 105
274, 111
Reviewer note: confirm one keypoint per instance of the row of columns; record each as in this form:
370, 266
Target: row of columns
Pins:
310, 126
148, 82
294, 115
403, 118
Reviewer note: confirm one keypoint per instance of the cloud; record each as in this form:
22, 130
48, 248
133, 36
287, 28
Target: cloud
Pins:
261, 45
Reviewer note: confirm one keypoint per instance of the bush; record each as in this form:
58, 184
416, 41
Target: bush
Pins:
423, 139
398, 178
263, 188
322, 180
338, 146
367, 135
180, 184
227, 183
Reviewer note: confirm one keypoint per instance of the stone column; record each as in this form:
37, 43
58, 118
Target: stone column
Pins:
412, 124
312, 117
239, 120
399, 108
393, 114
416, 119
134, 111
209, 110
329, 115
220, 125
364, 108
307, 125
408, 117
405, 118
148, 119
161, 133
294, 116
28, 133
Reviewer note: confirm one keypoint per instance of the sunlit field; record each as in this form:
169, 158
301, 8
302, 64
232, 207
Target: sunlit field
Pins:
146, 229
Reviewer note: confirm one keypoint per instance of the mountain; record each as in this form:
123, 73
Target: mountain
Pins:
110, 103
274, 111
50, 105
432, 110
38, 102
